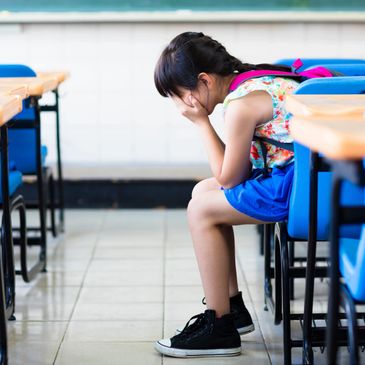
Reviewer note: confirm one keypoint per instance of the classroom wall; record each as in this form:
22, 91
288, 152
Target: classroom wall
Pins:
114, 124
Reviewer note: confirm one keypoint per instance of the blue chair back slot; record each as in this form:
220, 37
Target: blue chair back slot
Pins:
16, 71
298, 220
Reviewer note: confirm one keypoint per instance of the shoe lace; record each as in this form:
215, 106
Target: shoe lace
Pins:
204, 301
199, 318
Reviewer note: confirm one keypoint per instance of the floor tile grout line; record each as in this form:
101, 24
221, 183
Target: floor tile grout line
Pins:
102, 222
249, 293
165, 228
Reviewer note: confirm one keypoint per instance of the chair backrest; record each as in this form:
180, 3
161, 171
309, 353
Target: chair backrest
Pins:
16, 71
308, 62
21, 140
299, 200
351, 69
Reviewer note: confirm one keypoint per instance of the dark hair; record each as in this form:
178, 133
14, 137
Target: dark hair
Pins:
191, 53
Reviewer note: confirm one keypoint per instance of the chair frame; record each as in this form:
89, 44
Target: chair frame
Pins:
338, 293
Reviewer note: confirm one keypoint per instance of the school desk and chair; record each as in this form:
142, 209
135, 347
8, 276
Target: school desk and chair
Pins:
311, 180
10, 106
20, 92
337, 137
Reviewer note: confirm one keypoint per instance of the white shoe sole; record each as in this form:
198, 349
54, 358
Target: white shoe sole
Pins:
247, 329
241, 330
170, 351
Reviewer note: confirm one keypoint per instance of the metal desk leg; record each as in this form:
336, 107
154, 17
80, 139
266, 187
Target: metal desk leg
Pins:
334, 286
311, 261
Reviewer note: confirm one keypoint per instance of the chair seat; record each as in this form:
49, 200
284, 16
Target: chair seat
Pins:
15, 181
350, 266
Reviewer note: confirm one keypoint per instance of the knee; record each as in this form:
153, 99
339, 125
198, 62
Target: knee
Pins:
204, 186
197, 189
198, 210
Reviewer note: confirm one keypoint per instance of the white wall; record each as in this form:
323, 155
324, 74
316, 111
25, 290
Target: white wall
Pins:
114, 124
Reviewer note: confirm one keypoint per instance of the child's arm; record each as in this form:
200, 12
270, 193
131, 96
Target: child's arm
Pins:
241, 118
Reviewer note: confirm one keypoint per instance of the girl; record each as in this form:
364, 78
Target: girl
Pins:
251, 180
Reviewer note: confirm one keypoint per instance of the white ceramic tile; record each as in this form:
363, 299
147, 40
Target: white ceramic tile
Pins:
139, 353
121, 294
116, 331
124, 278
118, 311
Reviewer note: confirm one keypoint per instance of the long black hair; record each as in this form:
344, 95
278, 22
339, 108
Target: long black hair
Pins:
191, 53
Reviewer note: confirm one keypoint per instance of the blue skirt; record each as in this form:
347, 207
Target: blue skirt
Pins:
264, 197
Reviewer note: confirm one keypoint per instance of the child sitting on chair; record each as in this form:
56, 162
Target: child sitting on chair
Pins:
251, 180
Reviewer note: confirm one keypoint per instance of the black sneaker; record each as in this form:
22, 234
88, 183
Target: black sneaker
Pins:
241, 316
207, 336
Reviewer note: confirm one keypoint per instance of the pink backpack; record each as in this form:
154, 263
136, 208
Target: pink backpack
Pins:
313, 73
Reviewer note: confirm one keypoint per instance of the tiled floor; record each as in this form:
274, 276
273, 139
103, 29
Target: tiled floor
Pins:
120, 279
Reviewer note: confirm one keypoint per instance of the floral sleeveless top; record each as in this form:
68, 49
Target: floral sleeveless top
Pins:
278, 127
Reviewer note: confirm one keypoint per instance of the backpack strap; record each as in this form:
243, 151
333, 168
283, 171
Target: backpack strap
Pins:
285, 145
244, 76
312, 73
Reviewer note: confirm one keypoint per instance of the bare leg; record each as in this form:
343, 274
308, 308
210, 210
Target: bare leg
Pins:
227, 230
209, 214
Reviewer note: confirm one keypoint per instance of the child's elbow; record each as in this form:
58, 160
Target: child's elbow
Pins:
230, 182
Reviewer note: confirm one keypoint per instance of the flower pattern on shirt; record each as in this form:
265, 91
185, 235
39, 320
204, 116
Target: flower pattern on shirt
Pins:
278, 128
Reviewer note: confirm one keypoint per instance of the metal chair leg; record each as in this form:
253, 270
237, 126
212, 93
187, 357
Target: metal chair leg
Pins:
3, 319
278, 294
291, 263
267, 264
285, 278
52, 205
352, 330
6, 231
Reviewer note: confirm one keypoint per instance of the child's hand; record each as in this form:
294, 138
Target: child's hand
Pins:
195, 112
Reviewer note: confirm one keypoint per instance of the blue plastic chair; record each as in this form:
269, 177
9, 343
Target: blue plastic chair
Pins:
25, 135
296, 228
310, 62
348, 260
23, 139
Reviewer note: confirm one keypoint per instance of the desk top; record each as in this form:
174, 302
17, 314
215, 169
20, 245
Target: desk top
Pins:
60, 76
330, 124
37, 86
335, 106
10, 105
16, 89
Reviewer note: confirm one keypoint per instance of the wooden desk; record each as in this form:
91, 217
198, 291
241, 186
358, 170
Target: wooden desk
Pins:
37, 86
21, 90
335, 106
60, 76
10, 105
333, 125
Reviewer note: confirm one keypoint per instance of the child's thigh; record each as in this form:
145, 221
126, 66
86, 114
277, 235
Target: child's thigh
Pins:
204, 186
213, 207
